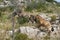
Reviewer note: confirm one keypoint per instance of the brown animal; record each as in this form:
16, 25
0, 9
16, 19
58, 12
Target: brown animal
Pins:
42, 22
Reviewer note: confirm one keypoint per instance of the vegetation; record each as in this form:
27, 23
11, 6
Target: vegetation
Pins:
50, 0
22, 20
58, 4
35, 6
0, 14
9, 8
53, 18
49, 11
6, 24
20, 36
1, 0
41, 6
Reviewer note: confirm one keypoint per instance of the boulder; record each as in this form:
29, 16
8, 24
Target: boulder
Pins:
36, 33
45, 16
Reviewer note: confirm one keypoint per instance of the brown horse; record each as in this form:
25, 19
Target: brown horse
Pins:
42, 22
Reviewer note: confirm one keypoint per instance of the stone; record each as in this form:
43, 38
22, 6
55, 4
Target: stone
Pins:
46, 17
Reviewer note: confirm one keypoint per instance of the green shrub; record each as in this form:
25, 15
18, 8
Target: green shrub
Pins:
9, 8
20, 36
53, 18
1, 15
28, 8
35, 6
22, 20
1, 0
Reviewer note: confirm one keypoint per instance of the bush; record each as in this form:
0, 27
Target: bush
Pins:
28, 8
1, 0
53, 18
22, 20
1, 15
9, 8
35, 6
20, 36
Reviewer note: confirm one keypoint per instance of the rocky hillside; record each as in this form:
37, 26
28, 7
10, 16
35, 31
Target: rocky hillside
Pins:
21, 10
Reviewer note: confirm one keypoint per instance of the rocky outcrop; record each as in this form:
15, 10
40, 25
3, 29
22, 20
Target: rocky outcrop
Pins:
36, 33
